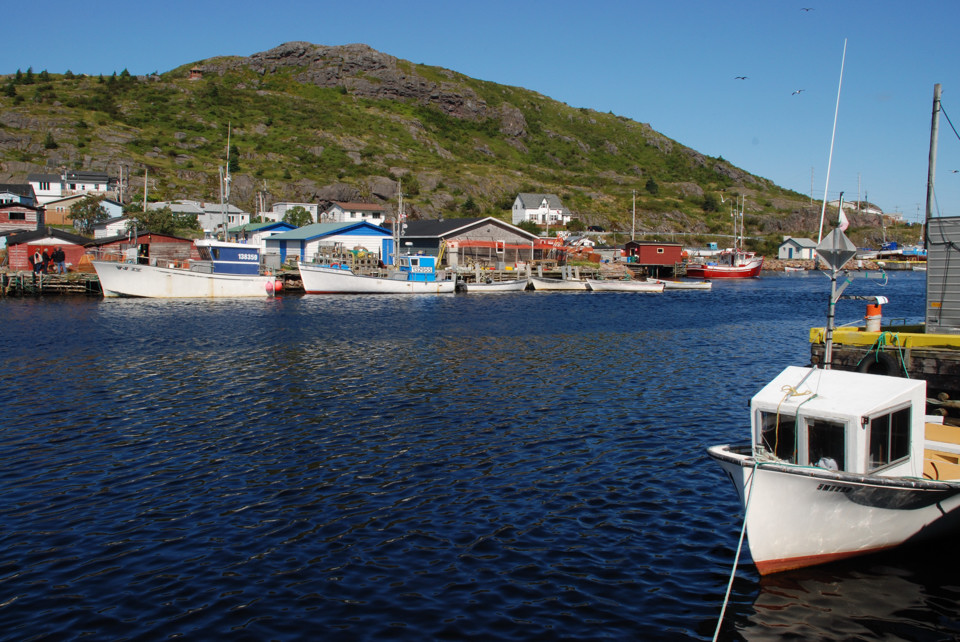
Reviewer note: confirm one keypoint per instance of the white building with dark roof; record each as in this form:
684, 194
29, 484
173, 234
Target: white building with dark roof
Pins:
542, 209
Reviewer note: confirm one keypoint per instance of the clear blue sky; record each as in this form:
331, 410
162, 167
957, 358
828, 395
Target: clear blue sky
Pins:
669, 63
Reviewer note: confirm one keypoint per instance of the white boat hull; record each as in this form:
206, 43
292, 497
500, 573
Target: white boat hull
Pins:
318, 279
151, 281
687, 285
798, 516
540, 283
616, 285
496, 286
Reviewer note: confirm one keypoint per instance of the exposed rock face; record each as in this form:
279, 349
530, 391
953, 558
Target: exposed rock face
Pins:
364, 72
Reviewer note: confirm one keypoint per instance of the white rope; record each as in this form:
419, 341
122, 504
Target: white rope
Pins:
736, 559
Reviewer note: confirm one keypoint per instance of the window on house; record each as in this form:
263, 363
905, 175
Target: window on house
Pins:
889, 438
778, 434
659, 250
18, 216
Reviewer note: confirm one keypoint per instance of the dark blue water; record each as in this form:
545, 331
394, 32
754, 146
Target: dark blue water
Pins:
512, 467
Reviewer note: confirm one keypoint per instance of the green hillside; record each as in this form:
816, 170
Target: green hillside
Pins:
313, 123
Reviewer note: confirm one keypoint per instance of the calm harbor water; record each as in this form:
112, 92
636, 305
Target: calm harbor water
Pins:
512, 467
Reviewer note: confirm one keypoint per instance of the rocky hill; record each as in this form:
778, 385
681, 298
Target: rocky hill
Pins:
316, 123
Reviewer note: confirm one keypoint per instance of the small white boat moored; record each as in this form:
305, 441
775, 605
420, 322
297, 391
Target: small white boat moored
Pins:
543, 283
841, 464
511, 285
624, 285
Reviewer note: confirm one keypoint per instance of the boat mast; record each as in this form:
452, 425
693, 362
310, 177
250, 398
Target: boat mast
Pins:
225, 186
398, 224
823, 209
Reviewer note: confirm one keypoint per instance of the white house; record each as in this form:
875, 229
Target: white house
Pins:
794, 248
344, 212
542, 209
111, 227
210, 215
47, 187
279, 210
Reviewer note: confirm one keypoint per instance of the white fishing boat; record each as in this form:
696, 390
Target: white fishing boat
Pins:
511, 285
224, 270
683, 284
841, 464
625, 285
413, 275
544, 283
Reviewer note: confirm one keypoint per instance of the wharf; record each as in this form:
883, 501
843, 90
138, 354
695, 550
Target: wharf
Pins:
19, 284
899, 350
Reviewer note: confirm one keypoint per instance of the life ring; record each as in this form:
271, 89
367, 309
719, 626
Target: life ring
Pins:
879, 363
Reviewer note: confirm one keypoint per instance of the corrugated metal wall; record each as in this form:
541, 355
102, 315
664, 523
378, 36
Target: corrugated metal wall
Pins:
943, 275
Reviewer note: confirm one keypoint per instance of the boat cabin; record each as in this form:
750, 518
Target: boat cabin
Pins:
839, 420
219, 257
419, 267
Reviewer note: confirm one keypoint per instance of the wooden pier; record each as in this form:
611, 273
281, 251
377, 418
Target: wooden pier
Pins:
20, 284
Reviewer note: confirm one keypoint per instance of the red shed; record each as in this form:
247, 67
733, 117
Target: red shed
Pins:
654, 252
22, 245
159, 248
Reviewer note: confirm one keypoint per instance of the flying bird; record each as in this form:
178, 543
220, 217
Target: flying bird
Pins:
806, 8
797, 92
739, 77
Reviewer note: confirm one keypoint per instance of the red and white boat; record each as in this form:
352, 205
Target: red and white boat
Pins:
729, 264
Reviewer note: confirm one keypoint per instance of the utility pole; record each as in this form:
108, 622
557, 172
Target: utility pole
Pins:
932, 163
633, 228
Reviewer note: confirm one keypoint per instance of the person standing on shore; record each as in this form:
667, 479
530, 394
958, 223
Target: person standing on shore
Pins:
37, 261
59, 259
45, 258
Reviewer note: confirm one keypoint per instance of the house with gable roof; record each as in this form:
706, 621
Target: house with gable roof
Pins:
346, 212
797, 248
305, 243
484, 241
542, 209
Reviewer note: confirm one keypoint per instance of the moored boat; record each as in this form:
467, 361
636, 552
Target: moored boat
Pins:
625, 285
224, 270
730, 264
683, 284
841, 464
511, 285
413, 275
543, 283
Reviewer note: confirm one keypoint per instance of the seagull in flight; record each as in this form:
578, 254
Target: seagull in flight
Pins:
739, 77
797, 92
806, 8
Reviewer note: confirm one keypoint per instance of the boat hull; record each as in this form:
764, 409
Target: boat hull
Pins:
704, 271
540, 283
496, 286
687, 285
319, 279
151, 281
799, 516
613, 285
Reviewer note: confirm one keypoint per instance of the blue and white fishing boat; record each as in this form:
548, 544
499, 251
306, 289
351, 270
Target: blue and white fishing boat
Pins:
414, 274
223, 270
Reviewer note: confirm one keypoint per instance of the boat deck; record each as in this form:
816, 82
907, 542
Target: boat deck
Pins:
941, 454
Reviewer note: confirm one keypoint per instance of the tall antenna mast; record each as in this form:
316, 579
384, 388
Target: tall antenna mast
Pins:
823, 209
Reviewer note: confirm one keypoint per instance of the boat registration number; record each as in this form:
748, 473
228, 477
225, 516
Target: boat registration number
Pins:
247, 257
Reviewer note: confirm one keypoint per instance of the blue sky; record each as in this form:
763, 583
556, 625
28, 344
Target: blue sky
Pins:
669, 63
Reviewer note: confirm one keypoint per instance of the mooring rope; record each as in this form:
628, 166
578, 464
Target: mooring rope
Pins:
736, 559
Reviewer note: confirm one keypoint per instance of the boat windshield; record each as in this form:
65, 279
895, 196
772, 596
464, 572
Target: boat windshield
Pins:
778, 435
826, 444
889, 438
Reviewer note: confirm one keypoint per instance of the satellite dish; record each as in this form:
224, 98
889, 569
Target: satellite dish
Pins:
836, 249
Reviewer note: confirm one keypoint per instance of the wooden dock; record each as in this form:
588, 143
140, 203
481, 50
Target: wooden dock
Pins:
20, 284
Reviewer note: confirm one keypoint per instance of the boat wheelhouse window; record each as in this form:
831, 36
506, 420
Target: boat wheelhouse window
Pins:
204, 252
778, 434
826, 444
889, 438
